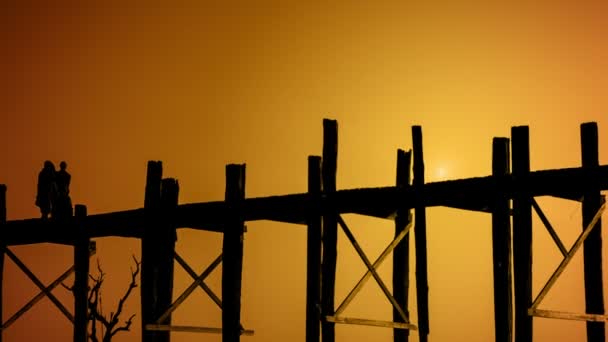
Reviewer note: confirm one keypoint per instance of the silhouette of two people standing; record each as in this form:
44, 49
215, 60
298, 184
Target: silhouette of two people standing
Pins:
53, 195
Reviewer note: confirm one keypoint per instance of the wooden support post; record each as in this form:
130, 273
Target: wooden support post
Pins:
401, 253
166, 237
81, 277
313, 252
330, 229
2, 246
501, 245
149, 256
233, 254
522, 234
592, 200
422, 286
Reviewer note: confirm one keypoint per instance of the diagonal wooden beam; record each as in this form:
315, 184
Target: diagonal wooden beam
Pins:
375, 265
549, 227
370, 267
38, 283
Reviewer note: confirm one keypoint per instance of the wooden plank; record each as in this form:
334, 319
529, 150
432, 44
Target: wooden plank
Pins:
422, 287
401, 253
2, 247
233, 254
568, 315
190, 329
501, 246
81, 277
522, 234
149, 262
330, 228
370, 322
592, 250
313, 253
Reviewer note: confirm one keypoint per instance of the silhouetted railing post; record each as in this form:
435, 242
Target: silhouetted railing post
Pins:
501, 244
522, 234
401, 253
81, 276
592, 200
330, 229
2, 247
149, 257
313, 253
422, 286
233, 254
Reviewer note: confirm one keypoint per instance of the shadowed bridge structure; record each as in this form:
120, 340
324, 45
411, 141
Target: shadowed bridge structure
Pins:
507, 194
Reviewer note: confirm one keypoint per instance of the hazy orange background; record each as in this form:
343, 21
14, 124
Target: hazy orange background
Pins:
199, 85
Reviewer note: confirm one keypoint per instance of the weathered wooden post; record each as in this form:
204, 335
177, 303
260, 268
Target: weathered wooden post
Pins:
81, 276
401, 253
592, 200
154, 247
522, 233
501, 244
313, 252
330, 229
2, 247
233, 253
422, 286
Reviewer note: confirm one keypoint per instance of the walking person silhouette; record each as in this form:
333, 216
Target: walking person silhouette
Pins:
46, 189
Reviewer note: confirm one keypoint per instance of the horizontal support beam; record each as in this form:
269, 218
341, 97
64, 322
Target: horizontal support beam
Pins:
371, 322
382, 202
181, 328
568, 315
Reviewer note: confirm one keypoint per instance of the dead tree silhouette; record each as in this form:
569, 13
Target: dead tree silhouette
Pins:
107, 327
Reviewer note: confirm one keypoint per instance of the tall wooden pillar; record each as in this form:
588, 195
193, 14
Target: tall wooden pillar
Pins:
522, 233
592, 201
81, 276
330, 229
2, 247
157, 252
401, 253
313, 252
422, 286
501, 244
233, 254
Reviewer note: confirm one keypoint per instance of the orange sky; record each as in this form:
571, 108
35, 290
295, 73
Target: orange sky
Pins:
109, 87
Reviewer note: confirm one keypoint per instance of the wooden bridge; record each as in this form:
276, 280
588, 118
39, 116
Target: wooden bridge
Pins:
507, 194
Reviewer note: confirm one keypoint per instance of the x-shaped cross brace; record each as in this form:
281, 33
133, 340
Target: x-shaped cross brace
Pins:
371, 271
199, 281
533, 310
44, 290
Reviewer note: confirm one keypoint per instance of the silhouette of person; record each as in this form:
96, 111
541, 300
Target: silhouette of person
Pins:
63, 202
46, 189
